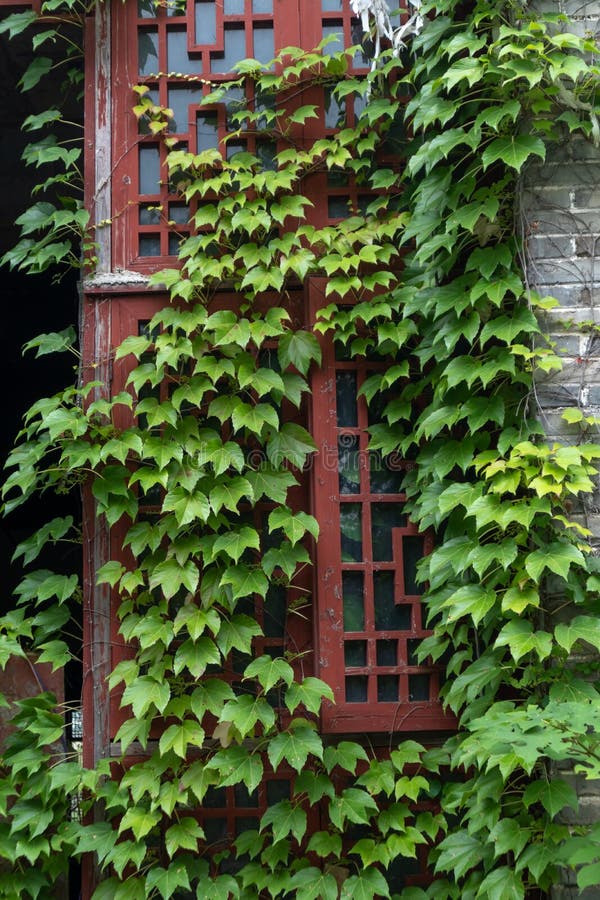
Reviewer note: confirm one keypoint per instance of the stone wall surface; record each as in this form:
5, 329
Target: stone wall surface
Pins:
559, 212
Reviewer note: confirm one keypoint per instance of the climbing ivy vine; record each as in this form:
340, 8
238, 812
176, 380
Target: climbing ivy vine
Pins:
427, 275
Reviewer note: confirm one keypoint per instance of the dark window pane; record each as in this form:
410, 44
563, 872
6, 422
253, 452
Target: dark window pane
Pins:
149, 215
338, 207
149, 170
274, 611
264, 43
179, 99
235, 103
246, 823
266, 152
146, 9
348, 463
148, 51
179, 213
384, 517
207, 137
149, 245
351, 532
215, 798
234, 147
355, 653
346, 405
178, 59
335, 114
334, 29
206, 22
215, 830
143, 123
174, 244
356, 688
388, 615
233, 7
387, 688
412, 552
277, 789
386, 474
243, 798
353, 596
387, 653
412, 646
235, 50
418, 687
337, 178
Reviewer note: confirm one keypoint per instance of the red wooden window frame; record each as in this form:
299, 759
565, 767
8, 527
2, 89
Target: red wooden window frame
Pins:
129, 314
360, 661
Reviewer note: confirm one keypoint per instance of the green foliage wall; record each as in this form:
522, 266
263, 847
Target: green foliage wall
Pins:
478, 94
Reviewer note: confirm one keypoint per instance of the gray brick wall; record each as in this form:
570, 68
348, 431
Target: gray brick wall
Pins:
559, 219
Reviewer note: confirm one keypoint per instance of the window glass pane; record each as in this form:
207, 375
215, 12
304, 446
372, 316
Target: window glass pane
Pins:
235, 50
348, 463
418, 687
266, 152
206, 22
389, 616
149, 215
233, 7
347, 409
146, 9
338, 207
351, 532
246, 823
384, 517
412, 647
355, 653
235, 103
353, 595
386, 474
178, 59
174, 244
149, 245
387, 653
356, 688
179, 99
215, 798
206, 131
233, 147
335, 112
331, 5
243, 798
336, 178
387, 688
215, 830
334, 29
262, 6
274, 611
264, 43
412, 552
149, 170
179, 213
148, 51
277, 789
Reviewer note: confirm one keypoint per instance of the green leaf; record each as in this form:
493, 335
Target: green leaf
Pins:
291, 443
502, 884
285, 818
145, 692
298, 349
369, 884
167, 881
459, 852
581, 628
308, 693
313, 884
268, 672
235, 543
556, 556
514, 151
295, 746
553, 795
353, 805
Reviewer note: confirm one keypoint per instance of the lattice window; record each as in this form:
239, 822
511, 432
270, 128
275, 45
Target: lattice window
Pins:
370, 617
